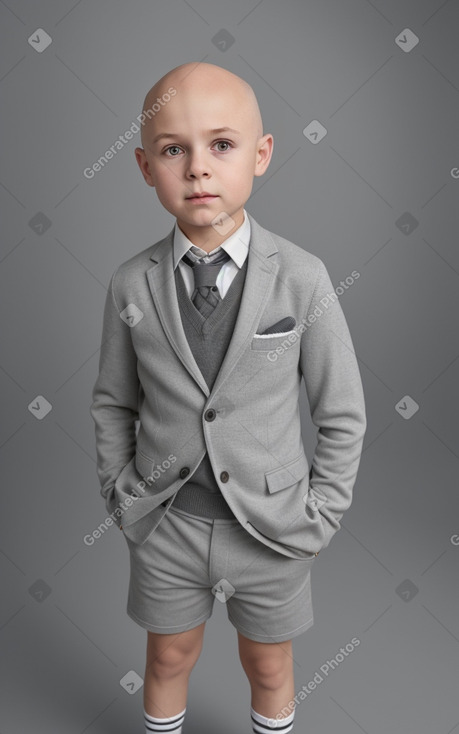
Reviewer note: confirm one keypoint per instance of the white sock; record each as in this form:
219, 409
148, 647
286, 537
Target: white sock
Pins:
263, 725
169, 724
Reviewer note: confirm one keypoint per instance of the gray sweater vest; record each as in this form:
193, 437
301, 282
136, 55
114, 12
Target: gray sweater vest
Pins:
208, 339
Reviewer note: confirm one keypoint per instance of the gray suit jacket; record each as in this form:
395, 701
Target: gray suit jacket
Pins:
155, 416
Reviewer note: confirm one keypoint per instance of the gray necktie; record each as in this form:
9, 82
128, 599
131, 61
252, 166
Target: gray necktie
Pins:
205, 295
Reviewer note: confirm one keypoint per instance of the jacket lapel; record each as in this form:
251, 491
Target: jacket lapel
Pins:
259, 280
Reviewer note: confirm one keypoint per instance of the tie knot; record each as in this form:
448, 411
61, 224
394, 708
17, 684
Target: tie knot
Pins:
220, 256
205, 274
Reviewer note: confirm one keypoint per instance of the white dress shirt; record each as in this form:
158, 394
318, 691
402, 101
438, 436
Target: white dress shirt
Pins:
236, 245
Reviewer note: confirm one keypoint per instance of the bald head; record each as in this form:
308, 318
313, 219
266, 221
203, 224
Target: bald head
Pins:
202, 133
195, 79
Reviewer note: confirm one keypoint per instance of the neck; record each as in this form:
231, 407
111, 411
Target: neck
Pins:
207, 238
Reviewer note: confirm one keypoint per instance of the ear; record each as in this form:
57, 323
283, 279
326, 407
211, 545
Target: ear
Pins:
141, 159
264, 153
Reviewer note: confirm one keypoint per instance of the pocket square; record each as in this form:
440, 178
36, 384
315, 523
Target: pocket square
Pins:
285, 324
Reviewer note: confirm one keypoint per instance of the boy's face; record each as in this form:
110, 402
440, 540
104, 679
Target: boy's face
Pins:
197, 155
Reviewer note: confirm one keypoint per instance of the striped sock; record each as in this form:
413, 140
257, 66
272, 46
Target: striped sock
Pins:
169, 724
263, 725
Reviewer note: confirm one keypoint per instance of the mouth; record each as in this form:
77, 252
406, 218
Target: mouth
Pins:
201, 198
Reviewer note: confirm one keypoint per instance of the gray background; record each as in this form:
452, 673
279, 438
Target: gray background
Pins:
390, 576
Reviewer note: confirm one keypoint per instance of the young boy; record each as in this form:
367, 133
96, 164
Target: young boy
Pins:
207, 334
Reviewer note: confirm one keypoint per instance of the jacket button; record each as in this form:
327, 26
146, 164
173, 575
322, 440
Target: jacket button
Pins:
224, 476
210, 414
184, 471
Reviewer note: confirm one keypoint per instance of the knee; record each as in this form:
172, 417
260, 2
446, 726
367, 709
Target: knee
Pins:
265, 672
172, 661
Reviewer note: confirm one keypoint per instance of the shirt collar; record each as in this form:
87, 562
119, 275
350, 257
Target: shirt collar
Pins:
236, 245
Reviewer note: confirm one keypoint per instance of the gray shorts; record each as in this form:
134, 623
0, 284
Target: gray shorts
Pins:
189, 561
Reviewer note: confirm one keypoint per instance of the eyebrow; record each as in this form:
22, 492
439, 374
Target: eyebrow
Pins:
215, 131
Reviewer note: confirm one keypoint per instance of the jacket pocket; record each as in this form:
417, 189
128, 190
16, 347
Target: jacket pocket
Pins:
287, 474
143, 463
267, 342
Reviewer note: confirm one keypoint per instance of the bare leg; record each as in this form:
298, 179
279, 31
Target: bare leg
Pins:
269, 668
170, 660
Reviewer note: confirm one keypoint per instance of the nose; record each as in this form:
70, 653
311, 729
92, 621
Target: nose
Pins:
197, 165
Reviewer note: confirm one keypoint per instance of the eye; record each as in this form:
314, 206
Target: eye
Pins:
172, 147
224, 142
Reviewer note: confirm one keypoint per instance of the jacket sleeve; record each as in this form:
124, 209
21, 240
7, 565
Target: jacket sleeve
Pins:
336, 401
115, 399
